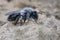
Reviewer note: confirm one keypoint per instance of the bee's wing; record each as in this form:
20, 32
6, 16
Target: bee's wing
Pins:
9, 13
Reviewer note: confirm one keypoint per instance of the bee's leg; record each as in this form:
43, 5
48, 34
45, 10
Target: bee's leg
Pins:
21, 22
36, 21
16, 21
24, 20
27, 21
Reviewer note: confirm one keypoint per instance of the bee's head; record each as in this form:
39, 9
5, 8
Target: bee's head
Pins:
34, 14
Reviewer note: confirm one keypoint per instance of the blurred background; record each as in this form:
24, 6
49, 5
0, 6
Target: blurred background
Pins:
49, 21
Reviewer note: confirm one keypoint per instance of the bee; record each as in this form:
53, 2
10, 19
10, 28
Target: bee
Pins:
22, 15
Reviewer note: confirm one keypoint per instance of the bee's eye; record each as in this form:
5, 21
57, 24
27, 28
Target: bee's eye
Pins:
34, 12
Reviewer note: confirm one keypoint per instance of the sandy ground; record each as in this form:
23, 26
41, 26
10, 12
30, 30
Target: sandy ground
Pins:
48, 27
